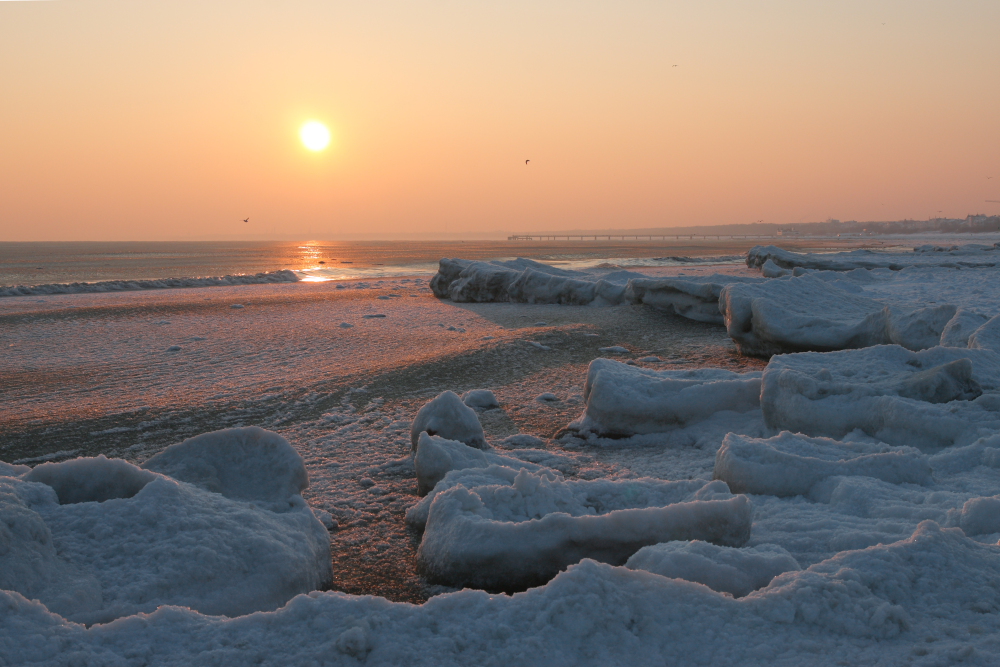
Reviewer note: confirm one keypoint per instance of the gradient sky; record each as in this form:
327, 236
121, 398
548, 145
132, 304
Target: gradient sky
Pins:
175, 120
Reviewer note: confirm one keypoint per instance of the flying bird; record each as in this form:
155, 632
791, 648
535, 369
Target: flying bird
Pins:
527, 161
246, 219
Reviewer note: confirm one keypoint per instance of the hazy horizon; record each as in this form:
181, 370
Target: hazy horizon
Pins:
175, 121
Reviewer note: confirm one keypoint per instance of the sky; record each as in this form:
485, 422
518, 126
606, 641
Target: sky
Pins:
125, 120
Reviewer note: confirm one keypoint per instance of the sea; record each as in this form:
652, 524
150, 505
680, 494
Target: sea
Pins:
35, 264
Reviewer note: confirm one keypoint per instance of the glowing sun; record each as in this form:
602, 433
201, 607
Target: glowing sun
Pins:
314, 135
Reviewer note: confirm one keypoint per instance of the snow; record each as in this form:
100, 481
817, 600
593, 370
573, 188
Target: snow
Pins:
450, 418
738, 572
987, 336
971, 255
623, 400
930, 399
248, 464
522, 533
436, 457
696, 298
480, 399
96, 539
790, 464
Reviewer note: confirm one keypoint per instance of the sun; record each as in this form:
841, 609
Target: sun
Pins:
314, 135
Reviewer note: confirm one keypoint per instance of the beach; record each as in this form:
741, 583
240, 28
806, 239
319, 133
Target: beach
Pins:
282, 361
630, 393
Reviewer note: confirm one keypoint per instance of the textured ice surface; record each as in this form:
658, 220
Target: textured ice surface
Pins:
623, 400
436, 457
929, 594
696, 298
790, 464
511, 536
95, 538
450, 418
725, 569
971, 255
480, 399
929, 399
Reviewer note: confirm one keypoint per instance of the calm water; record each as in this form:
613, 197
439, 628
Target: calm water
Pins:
44, 263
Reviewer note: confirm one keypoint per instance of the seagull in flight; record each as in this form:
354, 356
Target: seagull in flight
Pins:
246, 219
527, 161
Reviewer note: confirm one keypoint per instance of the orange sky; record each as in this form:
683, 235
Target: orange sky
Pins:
175, 120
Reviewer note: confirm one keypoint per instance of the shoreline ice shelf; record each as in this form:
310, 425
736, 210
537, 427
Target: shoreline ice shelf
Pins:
800, 301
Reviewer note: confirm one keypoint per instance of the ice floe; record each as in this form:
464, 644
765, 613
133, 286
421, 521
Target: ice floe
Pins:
930, 399
95, 539
623, 400
972, 255
524, 528
790, 464
450, 418
730, 570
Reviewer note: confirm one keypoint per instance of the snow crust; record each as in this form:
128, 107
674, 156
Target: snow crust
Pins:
480, 399
738, 572
95, 539
861, 606
694, 298
623, 400
930, 399
971, 255
790, 464
436, 457
523, 532
450, 418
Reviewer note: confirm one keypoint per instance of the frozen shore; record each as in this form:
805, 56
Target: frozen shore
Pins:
684, 503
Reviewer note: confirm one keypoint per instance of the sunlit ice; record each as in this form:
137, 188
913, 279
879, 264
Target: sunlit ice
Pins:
315, 135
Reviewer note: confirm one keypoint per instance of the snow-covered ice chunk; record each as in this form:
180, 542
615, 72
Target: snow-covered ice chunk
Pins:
522, 534
922, 399
546, 397
623, 400
696, 298
246, 463
480, 399
971, 255
956, 333
987, 336
771, 270
96, 539
525, 281
803, 313
91, 480
790, 464
436, 457
981, 516
730, 570
450, 418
